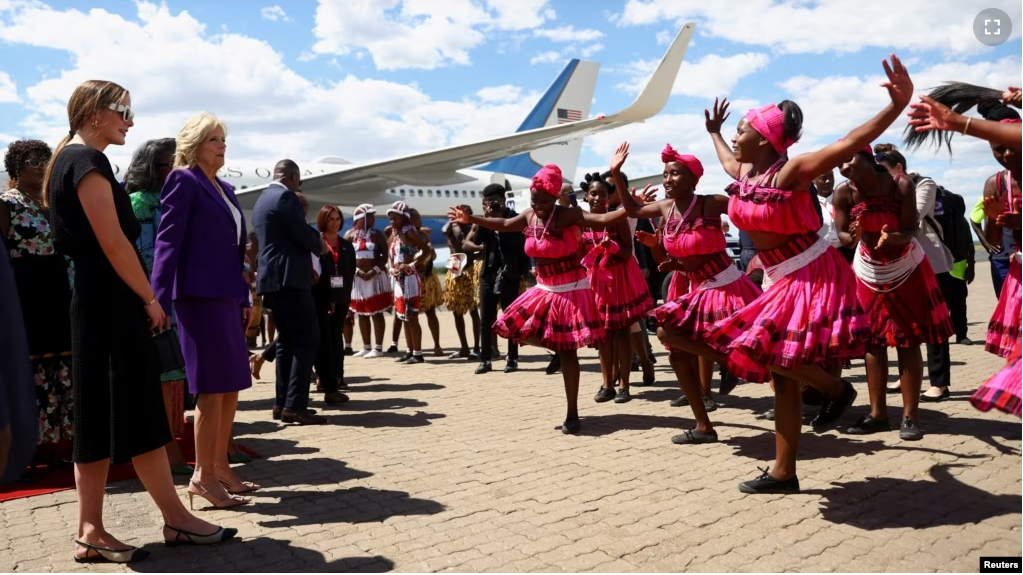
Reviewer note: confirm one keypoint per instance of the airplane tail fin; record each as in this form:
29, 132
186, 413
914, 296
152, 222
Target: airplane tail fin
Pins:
568, 99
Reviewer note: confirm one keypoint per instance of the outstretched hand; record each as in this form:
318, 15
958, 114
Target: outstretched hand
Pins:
884, 237
649, 194
647, 239
621, 154
1010, 220
929, 114
1013, 97
458, 215
899, 84
854, 230
994, 206
721, 114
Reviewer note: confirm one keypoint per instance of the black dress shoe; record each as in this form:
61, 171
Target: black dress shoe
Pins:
301, 418
511, 366
336, 398
484, 367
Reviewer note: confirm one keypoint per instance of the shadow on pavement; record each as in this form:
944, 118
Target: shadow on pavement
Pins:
354, 505
886, 503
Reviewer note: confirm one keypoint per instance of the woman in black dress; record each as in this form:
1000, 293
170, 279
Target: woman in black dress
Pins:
119, 412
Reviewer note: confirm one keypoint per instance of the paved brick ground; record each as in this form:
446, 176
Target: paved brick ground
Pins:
430, 468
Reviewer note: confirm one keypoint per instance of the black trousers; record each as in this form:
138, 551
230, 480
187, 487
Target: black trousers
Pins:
955, 292
488, 314
330, 356
939, 364
298, 337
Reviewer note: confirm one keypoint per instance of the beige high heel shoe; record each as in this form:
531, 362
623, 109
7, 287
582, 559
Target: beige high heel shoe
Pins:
240, 487
195, 488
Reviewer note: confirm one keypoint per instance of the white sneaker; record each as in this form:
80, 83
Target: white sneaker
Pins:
361, 353
374, 353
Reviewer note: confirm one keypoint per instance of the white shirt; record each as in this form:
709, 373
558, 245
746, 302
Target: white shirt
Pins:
937, 254
828, 231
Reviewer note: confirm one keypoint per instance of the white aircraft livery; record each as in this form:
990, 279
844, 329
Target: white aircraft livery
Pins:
432, 181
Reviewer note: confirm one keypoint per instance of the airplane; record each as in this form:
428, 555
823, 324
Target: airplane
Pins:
432, 181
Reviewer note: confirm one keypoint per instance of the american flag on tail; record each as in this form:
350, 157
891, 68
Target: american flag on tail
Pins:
566, 116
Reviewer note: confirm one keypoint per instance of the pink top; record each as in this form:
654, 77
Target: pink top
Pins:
757, 208
542, 242
684, 236
876, 213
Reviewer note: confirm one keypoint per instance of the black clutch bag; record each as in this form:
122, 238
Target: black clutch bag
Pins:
168, 350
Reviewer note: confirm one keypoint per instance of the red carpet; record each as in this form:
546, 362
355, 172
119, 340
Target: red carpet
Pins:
46, 480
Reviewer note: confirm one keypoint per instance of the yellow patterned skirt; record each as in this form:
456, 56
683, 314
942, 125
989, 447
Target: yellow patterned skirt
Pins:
461, 294
433, 294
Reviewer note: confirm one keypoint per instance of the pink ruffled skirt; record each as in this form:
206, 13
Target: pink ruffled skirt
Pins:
1002, 391
625, 299
562, 318
810, 316
1003, 330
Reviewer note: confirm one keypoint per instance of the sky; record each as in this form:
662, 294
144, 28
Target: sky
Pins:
371, 79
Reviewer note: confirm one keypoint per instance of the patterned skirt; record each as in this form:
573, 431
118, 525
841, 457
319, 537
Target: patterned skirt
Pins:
1003, 331
460, 293
372, 296
560, 310
625, 299
695, 312
907, 314
52, 376
808, 316
1002, 391
433, 294
408, 296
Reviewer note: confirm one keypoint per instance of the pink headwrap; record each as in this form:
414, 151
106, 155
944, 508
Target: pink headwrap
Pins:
549, 180
769, 122
692, 163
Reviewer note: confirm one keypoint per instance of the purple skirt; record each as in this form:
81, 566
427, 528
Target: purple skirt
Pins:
213, 343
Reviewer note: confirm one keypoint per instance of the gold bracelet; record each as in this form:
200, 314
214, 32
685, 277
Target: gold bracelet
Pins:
151, 302
967, 126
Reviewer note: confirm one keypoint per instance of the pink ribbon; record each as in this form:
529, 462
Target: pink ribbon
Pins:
600, 276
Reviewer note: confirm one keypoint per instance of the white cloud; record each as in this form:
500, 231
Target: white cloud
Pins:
663, 38
274, 13
590, 50
306, 57
547, 58
711, 76
272, 111
506, 93
8, 90
568, 34
797, 26
422, 33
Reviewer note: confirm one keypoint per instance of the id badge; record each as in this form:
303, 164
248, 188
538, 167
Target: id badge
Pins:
337, 282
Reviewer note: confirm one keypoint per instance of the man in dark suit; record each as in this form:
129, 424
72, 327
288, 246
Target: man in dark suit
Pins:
19, 425
504, 264
287, 246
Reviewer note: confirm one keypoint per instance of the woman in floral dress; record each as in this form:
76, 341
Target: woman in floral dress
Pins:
44, 287
149, 167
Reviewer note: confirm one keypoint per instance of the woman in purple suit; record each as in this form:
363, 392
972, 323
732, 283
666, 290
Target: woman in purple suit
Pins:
200, 251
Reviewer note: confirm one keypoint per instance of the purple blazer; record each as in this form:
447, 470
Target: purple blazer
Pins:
197, 249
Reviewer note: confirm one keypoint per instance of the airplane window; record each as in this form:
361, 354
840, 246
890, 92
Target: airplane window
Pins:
447, 193
420, 193
474, 193
465, 194
402, 192
429, 193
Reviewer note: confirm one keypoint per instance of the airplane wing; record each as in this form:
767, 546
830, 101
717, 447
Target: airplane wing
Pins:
441, 165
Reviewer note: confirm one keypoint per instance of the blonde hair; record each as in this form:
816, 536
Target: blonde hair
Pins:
192, 135
89, 98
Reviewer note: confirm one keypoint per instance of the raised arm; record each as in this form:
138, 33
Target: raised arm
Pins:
632, 207
804, 168
514, 224
929, 114
715, 205
579, 217
724, 151
842, 202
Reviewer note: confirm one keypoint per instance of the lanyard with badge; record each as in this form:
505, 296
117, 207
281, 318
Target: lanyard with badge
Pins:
336, 281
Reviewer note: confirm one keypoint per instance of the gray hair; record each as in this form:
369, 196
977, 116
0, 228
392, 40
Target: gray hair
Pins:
141, 173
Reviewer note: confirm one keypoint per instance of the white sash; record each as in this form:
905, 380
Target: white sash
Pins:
775, 273
564, 288
723, 278
894, 273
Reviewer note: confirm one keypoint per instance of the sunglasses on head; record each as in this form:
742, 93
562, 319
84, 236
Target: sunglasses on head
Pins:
126, 114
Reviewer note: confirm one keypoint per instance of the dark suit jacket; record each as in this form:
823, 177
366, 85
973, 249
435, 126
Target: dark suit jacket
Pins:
17, 387
286, 241
506, 249
323, 294
198, 252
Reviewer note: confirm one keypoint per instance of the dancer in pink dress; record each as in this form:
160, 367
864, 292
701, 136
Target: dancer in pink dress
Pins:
876, 214
695, 243
619, 288
808, 321
560, 313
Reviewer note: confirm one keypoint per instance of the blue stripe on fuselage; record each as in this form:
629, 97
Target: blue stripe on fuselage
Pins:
522, 164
